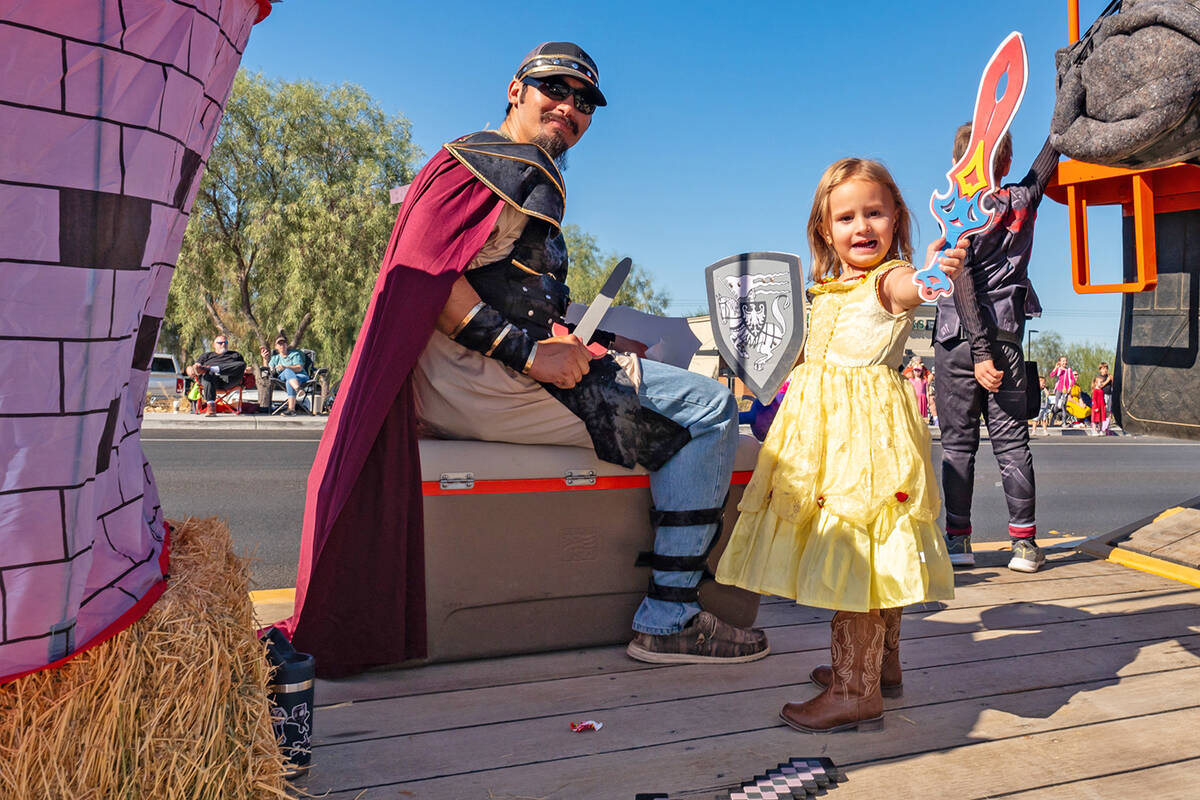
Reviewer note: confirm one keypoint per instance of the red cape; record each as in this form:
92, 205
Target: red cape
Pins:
360, 585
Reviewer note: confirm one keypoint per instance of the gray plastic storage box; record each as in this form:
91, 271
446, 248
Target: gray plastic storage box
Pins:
532, 547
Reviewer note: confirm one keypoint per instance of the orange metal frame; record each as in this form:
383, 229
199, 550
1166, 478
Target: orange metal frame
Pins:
1141, 193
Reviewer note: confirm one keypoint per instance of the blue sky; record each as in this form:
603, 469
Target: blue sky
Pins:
722, 116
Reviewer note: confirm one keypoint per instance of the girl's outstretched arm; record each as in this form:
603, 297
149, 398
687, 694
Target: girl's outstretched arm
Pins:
897, 291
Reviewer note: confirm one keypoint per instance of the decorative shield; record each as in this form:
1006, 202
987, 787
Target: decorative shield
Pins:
756, 307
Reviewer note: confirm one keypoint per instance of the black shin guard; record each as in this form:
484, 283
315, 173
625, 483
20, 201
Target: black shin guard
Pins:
668, 563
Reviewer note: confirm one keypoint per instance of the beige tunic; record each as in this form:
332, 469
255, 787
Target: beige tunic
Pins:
462, 394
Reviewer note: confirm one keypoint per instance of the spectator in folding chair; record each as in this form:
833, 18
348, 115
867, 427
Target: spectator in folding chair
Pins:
217, 370
288, 365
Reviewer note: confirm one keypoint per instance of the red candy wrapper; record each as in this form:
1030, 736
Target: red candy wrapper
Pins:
586, 725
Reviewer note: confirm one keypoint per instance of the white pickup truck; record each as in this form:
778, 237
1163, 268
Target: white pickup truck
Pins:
164, 370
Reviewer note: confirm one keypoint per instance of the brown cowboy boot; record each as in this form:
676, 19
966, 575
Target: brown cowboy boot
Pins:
890, 678
852, 699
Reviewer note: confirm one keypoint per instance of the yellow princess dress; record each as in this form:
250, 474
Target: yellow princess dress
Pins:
841, 512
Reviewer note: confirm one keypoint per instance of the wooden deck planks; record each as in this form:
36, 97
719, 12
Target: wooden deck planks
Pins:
1165, 531
904, 754
1065, 762
655, 722
595, 695
982, 588
1164, 544
1092, 645
1175, 780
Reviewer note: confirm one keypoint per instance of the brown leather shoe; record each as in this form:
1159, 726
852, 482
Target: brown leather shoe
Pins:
705, 640
852, 699
891, 681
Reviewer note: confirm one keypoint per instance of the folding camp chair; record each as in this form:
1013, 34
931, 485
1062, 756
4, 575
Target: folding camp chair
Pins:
229, 400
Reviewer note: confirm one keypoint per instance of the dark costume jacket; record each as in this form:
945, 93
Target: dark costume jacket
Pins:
360, 585
230, 364
993, 295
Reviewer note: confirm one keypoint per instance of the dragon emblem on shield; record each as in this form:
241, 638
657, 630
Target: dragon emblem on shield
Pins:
757, 321
745, 314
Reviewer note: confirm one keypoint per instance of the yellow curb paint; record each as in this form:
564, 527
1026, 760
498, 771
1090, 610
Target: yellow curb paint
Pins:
273, 596
1155, 566
272, 605
1169, 512
1061, 540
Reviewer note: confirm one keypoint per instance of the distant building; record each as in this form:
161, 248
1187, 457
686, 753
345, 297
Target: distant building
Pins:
920, 338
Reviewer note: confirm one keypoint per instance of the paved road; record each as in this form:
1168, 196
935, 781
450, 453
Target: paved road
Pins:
253, 479
256, 479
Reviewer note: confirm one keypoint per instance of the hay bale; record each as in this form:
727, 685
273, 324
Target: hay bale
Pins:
172, 708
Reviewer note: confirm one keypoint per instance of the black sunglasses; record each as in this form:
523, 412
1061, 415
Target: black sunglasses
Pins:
559, 90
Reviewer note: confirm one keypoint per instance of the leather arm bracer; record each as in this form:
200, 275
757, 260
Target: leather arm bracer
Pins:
485, 331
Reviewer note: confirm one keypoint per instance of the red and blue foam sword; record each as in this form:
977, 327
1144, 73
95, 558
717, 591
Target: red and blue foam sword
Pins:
966, 209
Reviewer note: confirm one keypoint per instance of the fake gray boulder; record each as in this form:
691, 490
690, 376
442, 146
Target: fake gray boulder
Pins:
1129, 89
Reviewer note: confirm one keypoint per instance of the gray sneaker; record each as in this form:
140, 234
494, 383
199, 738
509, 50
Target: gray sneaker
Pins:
1026, 556
959, 548
705, 640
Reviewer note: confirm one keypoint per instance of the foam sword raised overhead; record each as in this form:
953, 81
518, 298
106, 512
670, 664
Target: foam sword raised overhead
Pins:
965, 209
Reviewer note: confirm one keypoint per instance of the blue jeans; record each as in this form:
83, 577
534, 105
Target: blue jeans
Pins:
697, 477
287, 375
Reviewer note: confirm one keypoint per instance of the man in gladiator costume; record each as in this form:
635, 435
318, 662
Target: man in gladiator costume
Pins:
457, 342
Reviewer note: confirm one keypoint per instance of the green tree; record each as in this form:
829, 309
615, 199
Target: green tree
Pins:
291, 219
1084, 358
588, 269
1045, 347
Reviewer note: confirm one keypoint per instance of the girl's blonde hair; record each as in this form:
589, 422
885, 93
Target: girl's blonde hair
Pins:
825, 259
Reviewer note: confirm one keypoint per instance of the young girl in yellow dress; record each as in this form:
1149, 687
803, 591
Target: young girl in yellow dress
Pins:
842, 510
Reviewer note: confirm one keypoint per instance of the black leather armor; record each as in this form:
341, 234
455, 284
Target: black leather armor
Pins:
529, 287
529, 290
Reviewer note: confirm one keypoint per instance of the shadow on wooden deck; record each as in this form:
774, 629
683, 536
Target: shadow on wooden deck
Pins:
1080, 681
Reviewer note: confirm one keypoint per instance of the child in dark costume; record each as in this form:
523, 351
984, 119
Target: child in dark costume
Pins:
979, 364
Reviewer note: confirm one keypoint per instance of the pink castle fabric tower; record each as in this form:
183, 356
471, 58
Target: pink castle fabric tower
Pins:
108, 110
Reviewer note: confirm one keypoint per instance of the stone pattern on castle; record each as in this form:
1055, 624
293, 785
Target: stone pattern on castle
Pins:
108, 110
